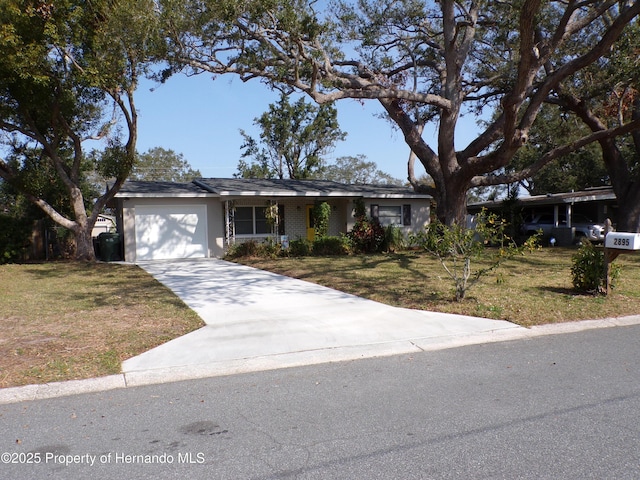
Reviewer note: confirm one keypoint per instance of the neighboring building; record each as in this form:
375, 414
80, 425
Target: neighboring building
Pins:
104, 224
570, 215
162, 220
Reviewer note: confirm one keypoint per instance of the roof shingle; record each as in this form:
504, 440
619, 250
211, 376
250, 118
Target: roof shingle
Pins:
230, 187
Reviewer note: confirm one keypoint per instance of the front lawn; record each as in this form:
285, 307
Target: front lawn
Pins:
529, 290
64, 321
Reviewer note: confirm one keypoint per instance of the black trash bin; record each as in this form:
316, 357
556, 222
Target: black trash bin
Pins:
109, 244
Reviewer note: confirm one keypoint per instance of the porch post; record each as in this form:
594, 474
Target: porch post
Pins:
276, 224
229, 234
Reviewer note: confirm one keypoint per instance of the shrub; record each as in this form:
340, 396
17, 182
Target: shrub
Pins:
321, 213
456, 246
14, 239
243, 249
251, 248
269, 249
367, 236
393, 239
587, 271
300, 247
331, 246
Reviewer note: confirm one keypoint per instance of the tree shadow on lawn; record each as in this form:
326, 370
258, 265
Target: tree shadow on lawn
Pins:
405, 261
570, 292
111, 284
333, 265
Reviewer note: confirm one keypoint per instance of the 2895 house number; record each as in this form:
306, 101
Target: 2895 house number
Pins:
621, 242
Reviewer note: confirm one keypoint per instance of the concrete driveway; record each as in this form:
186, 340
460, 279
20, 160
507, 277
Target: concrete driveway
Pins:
257, 320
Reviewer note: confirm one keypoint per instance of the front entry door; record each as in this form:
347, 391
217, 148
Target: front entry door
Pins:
311, 228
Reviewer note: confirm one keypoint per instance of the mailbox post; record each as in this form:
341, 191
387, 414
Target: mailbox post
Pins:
616, 243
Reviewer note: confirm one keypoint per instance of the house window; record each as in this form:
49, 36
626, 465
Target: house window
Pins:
251, 221
392, 215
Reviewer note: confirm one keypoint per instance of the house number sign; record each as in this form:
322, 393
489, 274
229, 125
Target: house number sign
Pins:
623, 241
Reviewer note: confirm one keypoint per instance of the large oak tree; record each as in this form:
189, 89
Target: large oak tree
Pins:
599, 98
68, 72
424, 61
609, 94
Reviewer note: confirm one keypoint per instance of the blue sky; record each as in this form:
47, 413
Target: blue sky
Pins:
201, 118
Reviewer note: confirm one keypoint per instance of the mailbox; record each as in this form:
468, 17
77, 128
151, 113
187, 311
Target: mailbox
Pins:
622, 241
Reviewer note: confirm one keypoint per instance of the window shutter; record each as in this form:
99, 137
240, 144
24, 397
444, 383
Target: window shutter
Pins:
406, 215
374, 211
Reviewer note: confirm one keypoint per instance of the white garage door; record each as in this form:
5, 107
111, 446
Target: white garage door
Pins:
164, 232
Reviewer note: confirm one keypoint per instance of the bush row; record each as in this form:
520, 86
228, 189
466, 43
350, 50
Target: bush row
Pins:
364, 240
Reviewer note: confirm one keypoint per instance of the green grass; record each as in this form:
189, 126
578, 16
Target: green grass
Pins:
63, 321
530, 290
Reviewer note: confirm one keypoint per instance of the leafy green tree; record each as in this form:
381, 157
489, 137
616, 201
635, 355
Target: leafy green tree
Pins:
575, 171
293, 140
68, 72
158, 164
423, 61
357, 170
605, 96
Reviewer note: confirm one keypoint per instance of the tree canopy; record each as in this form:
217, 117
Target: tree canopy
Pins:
575, 171
294, 137
601, 97
423, 61
68, 72
159, 164
357, 170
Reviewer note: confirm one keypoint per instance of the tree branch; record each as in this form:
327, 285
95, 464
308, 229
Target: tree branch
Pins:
483, 181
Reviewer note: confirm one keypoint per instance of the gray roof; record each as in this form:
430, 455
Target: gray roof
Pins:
160, 189
238, 187
300, 188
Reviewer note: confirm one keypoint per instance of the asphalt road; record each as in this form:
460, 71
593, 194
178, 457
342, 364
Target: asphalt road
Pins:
556, 407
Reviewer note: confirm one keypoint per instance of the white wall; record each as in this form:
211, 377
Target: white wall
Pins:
420, 212
341, 219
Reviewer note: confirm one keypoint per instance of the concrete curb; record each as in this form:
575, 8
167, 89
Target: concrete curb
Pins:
61, 389
297, 359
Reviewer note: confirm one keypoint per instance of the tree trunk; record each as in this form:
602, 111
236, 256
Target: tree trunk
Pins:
84, 245
624, 186
629, 209
451, 183
451, 200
